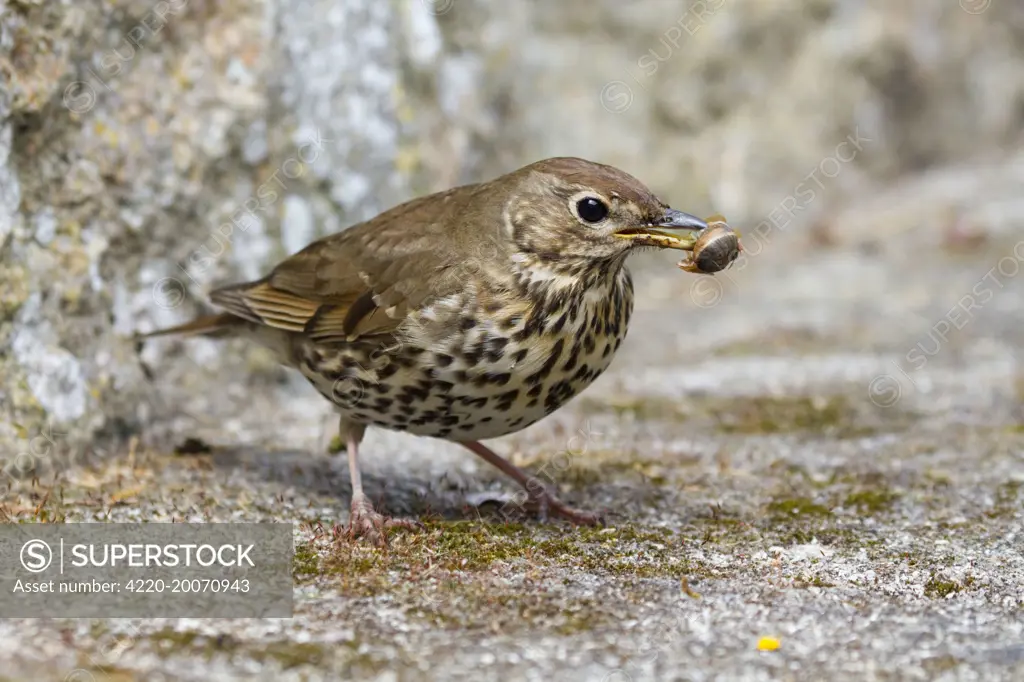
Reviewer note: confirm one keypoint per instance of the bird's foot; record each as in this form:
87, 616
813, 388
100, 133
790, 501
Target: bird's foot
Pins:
546, 503
366, 522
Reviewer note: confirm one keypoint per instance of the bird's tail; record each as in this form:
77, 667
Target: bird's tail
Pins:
222, 324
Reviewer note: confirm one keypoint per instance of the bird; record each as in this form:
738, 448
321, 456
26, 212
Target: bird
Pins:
464, 315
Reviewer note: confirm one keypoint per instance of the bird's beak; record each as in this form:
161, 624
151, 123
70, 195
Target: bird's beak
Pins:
672, 220
677, 220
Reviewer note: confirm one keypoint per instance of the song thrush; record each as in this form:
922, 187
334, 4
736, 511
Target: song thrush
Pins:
464, 315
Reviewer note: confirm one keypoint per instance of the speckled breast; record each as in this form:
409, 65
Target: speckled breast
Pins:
462, 370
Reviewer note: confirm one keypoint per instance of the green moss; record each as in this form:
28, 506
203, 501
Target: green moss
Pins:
937, 588
467, 548
798, 537
812, 581
833, 415
940, 664
787, 508
940, 588
495, 606
291, 654
873, 501
1009, 492
168, 642
353, 561
1007, 501
604, 465
305, 561
639, 408
471, 545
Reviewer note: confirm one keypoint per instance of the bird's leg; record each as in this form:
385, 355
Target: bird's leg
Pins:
364, 521
537, 491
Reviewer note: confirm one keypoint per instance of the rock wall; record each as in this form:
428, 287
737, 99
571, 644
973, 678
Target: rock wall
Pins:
150, 149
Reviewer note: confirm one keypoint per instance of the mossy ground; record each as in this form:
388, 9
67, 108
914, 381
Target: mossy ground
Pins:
799, 501
823, 416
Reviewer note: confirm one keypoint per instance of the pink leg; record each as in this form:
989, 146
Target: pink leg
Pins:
537, 491
364, 520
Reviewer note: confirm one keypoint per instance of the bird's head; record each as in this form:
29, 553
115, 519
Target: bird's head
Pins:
575, 212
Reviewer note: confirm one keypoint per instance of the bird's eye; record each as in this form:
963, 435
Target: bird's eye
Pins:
591, 210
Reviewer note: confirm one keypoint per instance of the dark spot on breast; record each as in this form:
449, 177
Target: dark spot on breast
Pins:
467, 323
534, 323
506, 399
508, 396
558, 394
520, 355
443, 359
549, 364
496, 348
582, 372
560, 324
472, 357
574, 357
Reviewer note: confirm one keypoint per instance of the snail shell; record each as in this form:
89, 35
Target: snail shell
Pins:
716, 249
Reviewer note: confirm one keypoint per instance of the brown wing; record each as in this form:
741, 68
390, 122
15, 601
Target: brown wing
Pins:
360, 281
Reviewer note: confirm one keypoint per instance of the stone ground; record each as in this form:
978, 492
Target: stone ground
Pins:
774, 458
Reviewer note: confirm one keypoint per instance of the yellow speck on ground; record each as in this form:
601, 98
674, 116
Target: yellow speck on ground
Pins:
767, 644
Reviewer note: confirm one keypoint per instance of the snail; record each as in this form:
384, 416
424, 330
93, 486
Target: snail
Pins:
715, 248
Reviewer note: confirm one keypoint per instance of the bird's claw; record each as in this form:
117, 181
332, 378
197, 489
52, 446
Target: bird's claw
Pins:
547, 504
365, 522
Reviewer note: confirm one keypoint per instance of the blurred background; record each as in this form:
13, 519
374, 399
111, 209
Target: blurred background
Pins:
869, 151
